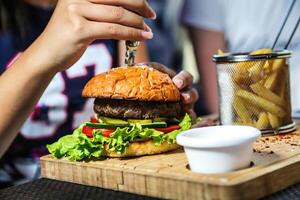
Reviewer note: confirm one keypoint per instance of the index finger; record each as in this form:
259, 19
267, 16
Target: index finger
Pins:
140, 7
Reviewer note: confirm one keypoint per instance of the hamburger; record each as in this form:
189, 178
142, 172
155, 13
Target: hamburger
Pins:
137, 112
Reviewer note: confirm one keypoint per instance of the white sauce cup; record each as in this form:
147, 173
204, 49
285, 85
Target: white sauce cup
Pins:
218, 149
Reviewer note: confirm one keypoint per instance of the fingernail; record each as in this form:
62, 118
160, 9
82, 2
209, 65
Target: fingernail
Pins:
153, 15
186, 97
147, 35
178, 83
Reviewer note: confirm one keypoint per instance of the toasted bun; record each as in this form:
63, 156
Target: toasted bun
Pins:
132, 83
143, 148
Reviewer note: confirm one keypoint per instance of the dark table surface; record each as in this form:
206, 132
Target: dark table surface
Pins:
47, 189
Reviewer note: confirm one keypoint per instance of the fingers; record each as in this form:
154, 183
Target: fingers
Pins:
190, 96
110, 14
188, 99
189, 109
105, 30
160, 67
111, 20
183, 80
140, 7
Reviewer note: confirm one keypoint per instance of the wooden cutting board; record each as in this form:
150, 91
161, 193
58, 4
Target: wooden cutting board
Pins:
276, 165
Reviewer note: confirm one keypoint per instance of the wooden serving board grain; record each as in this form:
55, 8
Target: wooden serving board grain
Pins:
276, 165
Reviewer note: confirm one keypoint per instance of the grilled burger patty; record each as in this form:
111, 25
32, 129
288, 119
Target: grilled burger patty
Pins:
136, 109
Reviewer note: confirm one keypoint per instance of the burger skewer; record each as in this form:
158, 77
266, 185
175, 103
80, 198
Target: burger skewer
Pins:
131, 48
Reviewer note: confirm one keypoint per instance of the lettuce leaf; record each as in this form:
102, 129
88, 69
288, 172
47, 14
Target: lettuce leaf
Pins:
185, 124
78, 146
171, 137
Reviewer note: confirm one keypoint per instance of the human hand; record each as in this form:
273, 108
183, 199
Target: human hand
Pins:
183, 81
77, 23
189, 95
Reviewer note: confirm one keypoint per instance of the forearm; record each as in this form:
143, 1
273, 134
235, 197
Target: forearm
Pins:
72, 27
206, 43
20, 88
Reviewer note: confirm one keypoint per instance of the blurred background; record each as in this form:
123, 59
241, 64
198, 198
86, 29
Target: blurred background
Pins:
171, 44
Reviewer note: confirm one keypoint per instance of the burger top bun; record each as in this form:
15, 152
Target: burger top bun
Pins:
132, 83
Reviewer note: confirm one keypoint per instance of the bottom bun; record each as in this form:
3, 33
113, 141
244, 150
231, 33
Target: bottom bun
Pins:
143, 148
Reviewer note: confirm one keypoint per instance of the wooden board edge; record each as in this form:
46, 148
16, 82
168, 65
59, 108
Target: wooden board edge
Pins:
266, 184
120, 180
157, 186
245, 176
230, 179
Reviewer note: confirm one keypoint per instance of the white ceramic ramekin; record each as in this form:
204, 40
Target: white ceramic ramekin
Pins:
218, 149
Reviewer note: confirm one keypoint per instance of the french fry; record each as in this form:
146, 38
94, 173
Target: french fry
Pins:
220, 52
254, 111
241, 110
241, 78
261, 103
262, 82
239, 121
267, 66
278, 64
272, 80
274, 121
255, 72
263, 92
262, 121
282, 90
241, 74
261, 51
244, 66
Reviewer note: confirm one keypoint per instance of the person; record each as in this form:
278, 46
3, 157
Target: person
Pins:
239, 26
41, 77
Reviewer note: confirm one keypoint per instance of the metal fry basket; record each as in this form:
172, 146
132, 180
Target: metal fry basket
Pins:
254, 90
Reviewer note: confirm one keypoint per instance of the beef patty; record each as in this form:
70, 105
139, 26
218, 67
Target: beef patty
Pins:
136, 109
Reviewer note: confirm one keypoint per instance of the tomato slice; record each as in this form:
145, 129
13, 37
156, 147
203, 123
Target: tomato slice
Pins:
94, 120
107, 132
88, 131
169, 128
